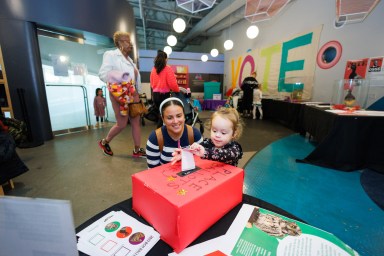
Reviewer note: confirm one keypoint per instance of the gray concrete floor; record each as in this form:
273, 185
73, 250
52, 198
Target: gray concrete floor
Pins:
72, 167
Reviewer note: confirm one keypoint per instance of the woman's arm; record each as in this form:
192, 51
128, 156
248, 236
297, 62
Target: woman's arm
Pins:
152, 78
138, 81
106, 66
152, 151
95, 104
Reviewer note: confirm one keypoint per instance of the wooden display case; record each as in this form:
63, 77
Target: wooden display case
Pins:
5, 99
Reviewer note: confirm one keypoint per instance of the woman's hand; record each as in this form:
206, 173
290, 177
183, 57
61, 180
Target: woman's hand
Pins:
176, 156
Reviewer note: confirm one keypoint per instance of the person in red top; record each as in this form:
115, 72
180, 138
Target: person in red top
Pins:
162, 80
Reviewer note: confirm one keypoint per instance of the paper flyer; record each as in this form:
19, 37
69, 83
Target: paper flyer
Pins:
258, 232
207, 248
356, 69
375, 65
187, 160
117, 233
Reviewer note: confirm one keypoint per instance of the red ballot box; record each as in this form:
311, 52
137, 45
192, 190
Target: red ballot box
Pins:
181, 207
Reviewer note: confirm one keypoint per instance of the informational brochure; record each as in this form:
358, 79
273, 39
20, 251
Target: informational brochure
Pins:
117, 233
210, 247
259, 232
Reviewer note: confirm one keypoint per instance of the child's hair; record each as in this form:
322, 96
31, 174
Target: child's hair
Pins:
233, 116
97, 90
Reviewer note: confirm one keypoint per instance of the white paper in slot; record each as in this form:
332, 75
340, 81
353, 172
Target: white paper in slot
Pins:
187, 160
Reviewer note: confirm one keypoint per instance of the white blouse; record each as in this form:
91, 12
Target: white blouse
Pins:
115, 60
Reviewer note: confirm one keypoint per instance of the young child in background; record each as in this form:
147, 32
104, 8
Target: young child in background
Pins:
257, 96
229, 102
226, 127
99, 104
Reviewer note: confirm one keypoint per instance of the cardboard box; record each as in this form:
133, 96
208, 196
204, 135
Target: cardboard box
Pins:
217, 96
211, 88
181, 208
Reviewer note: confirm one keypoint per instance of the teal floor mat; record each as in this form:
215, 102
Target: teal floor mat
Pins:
325, 198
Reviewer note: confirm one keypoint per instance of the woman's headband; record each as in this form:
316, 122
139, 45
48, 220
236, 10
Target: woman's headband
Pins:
167, 100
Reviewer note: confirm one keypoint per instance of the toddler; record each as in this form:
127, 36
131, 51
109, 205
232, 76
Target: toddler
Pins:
99, 104
257, 96
226, 127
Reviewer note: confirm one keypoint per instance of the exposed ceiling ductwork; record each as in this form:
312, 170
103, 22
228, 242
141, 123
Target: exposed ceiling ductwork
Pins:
222, 11
154, 18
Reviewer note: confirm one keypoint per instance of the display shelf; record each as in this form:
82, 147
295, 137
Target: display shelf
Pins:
182, 79
5, 99
182, 76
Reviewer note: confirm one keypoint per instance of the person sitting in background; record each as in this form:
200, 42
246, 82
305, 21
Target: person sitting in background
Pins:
162, 80
172, 135
11, 165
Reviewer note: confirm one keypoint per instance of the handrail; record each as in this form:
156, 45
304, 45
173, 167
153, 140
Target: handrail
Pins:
104, 88
85, 97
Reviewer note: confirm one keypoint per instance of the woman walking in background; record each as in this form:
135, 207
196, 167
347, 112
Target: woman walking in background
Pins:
99, 104
115, 61
163, 81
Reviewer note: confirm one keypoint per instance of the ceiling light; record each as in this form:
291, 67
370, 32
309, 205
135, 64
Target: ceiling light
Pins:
228, 45
172, 40
252, 32
214, 52
204, 58
63, 58
168, 49
179, 25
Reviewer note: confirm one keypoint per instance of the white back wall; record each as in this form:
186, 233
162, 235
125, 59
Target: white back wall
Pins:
358, 40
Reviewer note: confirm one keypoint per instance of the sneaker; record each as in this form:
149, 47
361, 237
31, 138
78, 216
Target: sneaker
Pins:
106, 148
140, 153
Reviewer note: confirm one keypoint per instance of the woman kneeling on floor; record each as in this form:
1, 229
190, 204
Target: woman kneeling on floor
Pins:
173, 134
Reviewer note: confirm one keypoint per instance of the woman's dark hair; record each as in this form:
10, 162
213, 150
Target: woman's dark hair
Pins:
160, 61
169, 103
97, 90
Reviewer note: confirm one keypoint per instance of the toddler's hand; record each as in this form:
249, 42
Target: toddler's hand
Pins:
197, 149
176, 156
